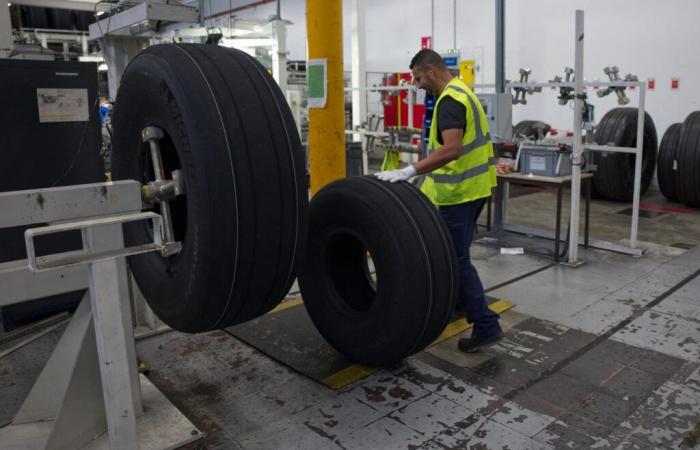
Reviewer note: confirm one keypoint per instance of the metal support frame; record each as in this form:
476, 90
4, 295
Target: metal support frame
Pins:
558, 183
500, 46
578, 86
118, 52
637, 151
358, 75
279, 52
90, 383
578, 144
124, 34
137, 19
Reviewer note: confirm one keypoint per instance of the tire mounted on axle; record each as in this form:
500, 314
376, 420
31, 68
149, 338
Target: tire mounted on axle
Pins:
242, 219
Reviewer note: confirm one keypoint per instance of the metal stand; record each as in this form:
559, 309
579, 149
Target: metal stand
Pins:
89, 394
559, 183
577, 87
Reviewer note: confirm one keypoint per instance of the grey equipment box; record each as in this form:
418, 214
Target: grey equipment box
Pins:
498, 108
544, 160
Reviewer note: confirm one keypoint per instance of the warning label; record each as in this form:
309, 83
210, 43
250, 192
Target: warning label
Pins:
63, 105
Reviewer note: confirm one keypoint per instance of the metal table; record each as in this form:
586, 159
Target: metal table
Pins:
502, 190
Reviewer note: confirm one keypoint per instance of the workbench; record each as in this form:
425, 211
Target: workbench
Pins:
502, 190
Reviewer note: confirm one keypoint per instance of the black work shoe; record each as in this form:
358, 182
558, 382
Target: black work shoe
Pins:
474, 343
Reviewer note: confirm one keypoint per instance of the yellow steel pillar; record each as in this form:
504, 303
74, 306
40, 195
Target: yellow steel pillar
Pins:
326, 139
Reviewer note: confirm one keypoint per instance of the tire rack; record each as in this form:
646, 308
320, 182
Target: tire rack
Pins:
580, 146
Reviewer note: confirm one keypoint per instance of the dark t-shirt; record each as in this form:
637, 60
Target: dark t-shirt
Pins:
451, 114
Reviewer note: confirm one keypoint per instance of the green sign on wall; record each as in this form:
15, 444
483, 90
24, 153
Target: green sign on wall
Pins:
317, 82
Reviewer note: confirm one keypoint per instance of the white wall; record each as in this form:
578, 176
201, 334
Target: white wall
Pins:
644, 37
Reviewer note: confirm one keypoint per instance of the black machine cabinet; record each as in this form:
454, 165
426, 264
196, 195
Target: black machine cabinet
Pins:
49, 136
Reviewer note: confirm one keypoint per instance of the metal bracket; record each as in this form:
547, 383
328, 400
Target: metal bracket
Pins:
614, 74
89, 394
87, 254
521, 92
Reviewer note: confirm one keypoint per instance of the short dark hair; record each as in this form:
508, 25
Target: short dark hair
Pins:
427, 57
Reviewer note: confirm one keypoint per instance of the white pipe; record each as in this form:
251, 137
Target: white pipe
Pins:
432, 20
454, 23
409, 122
638, 168
358, 75
279, 53
578, 144
409, 97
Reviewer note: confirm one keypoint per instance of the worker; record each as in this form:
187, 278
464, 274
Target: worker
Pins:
459, 174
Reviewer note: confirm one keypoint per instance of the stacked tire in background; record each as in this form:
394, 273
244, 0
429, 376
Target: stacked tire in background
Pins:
614, 177
531, 129
667, 163
679, 161
689, 160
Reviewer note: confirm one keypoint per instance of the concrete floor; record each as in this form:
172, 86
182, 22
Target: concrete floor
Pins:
606, 355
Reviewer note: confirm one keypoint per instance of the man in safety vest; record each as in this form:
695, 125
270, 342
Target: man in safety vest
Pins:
459, 175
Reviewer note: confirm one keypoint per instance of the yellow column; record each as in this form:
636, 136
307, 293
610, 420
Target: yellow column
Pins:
326, 139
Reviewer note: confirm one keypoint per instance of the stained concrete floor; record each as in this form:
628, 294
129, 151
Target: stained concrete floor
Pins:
606, 355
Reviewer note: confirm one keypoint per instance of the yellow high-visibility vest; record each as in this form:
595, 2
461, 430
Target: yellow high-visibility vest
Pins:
473, 174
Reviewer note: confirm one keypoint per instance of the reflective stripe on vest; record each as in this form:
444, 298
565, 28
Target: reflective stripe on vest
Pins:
473, 173
480, 139
458, 178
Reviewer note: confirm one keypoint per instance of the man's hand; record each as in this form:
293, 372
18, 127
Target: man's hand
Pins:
397, 175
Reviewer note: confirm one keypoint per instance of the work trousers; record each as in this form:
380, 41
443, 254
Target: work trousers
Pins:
461, 220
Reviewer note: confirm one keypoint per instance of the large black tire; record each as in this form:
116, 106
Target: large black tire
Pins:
415, 266
689, 160
614, 177
667, 169
83, 19
34, 17
242, 219
531, 129
61, 19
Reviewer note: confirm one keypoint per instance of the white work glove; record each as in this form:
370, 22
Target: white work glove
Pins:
397, 175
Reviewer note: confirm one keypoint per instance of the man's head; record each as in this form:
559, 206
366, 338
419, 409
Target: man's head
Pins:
429, 71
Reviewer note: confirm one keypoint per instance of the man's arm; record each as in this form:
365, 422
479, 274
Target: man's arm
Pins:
449, 151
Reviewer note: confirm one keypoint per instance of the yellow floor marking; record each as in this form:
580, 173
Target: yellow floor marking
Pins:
357, 372
348, 376
461, 325
288, 304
